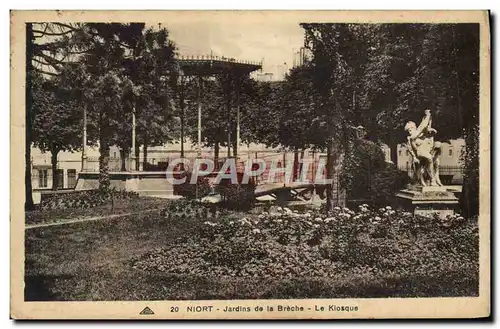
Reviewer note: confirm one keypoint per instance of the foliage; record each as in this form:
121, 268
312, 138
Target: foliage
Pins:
366, 175
218, 98
122, 68
152, 70
381, 244
470, 195
214, 112
61, 114
188, 190
57, 124
386, 182
382, 76
237, 196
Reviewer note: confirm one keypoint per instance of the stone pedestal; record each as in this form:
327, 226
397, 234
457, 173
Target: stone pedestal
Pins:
429, 200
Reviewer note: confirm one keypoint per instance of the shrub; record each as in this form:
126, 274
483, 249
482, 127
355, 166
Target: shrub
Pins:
84, 199
367, 176
188, 190
237, 196
385, 182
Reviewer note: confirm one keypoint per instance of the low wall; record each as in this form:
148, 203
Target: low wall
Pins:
144, 183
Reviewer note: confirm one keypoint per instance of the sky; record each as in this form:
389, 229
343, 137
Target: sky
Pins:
270, 40
274, 42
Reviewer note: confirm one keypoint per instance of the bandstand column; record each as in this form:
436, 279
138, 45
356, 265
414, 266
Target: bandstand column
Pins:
237, 145
199, 115
132, 151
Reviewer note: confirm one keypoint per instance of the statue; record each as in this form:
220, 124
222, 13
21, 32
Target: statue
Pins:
424, 150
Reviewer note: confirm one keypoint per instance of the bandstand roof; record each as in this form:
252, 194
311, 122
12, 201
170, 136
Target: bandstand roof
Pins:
214, 65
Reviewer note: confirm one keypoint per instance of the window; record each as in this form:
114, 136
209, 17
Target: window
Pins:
42, 177
407, 153
71, 178
60, 178
400, 152
450, 152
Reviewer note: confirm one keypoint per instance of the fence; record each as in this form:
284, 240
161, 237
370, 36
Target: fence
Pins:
450, 175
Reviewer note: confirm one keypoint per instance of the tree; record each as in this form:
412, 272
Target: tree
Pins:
56, 126
52, 46
287, 107
47, 47
214, 112
152, 70
110, 90
386, 74
433, 66
263, 107
337, 57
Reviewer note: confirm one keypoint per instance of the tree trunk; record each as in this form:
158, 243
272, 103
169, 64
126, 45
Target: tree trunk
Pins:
103, 164
301, 164
331, 161
235, 148
103, 152
53, 161
216, 155
295, 165
123, 159
28, 204
137, 154
394, 153
145, 154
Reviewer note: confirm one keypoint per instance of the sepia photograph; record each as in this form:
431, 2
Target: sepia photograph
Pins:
250, 164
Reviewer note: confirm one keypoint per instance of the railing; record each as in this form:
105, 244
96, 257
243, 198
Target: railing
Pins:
160, 163
218, 58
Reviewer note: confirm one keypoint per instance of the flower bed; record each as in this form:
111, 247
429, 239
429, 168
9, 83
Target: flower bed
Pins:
85, 199
377, 244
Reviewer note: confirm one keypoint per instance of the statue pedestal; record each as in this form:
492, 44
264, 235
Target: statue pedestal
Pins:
429, 200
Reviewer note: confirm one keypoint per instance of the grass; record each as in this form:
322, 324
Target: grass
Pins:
91, 261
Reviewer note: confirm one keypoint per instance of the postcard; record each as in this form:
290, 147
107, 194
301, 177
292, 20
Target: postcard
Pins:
250, 164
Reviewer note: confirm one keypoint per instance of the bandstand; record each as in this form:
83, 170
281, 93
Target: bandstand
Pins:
200, 67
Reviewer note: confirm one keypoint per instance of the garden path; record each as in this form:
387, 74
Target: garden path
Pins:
31, 226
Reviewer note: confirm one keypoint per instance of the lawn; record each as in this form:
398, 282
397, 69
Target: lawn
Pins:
175, 254
117, 207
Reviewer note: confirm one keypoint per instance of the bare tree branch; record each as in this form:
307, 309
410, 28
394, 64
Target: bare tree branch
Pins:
44, 33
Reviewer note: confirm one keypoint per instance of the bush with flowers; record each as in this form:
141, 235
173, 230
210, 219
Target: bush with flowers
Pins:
411, 253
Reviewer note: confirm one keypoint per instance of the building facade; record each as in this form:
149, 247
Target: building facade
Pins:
451, 152
69, 164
